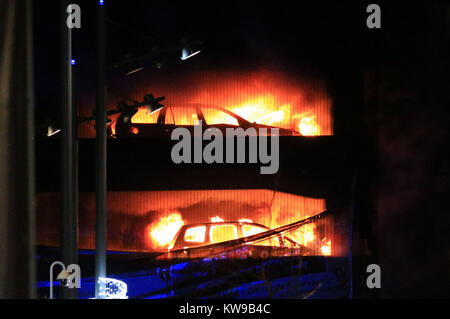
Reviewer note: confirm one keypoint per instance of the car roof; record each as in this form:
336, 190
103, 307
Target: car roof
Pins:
201, 105
206, 106
224, 223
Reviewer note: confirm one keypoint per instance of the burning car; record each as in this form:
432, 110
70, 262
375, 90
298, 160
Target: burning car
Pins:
206, 258
234, 239
138, 123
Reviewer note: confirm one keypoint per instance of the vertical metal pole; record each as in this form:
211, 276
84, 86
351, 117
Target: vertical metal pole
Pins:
75, 173
350, 239
100, 225
17, 192
69, 227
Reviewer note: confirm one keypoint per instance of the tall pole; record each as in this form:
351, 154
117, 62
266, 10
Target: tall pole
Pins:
75, 167
17, 191
69, 222
100, 225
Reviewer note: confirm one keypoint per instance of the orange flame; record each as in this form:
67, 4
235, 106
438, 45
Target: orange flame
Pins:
326, 249
267, 97
163, 232
261, 109
308, 125
264, 109
216, 219
304, 235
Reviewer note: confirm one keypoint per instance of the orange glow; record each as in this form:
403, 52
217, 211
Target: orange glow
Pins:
263, 109
142, 116
308, 234
195, 235
326, 249
143, 221
264, 97
308, 125
223, 232
163, 232
305, 235
113, 128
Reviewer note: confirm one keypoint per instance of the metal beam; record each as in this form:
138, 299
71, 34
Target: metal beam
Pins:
17, 214
69, 220
100, 124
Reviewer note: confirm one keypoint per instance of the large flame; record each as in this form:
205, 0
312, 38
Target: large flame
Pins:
264, 109
326, 248
163, 231
308, 125
261, 109
283, 209
266, 97
305, 235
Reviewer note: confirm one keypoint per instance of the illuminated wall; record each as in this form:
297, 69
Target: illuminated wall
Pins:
263, 96
132, 216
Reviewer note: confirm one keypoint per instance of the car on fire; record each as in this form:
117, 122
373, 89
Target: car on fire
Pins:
231, 258
137, 123
221, 239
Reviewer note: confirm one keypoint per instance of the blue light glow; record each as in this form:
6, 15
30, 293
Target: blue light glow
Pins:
73, 62
101, 2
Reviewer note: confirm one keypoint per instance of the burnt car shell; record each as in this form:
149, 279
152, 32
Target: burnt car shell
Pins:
277, 246
125, 128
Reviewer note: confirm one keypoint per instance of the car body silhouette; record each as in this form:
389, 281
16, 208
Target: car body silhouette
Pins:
161, 123
220, 239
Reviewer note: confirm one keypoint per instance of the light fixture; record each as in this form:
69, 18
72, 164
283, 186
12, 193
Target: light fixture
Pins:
134, 70
186, 53
52, 131
131, 66
153, 104
73, 62
63, 275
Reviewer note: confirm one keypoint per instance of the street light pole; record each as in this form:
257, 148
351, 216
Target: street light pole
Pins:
100, 124
69, 220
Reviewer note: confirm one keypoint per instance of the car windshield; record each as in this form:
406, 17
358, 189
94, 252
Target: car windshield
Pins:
141, 117
185, 115
181, 116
